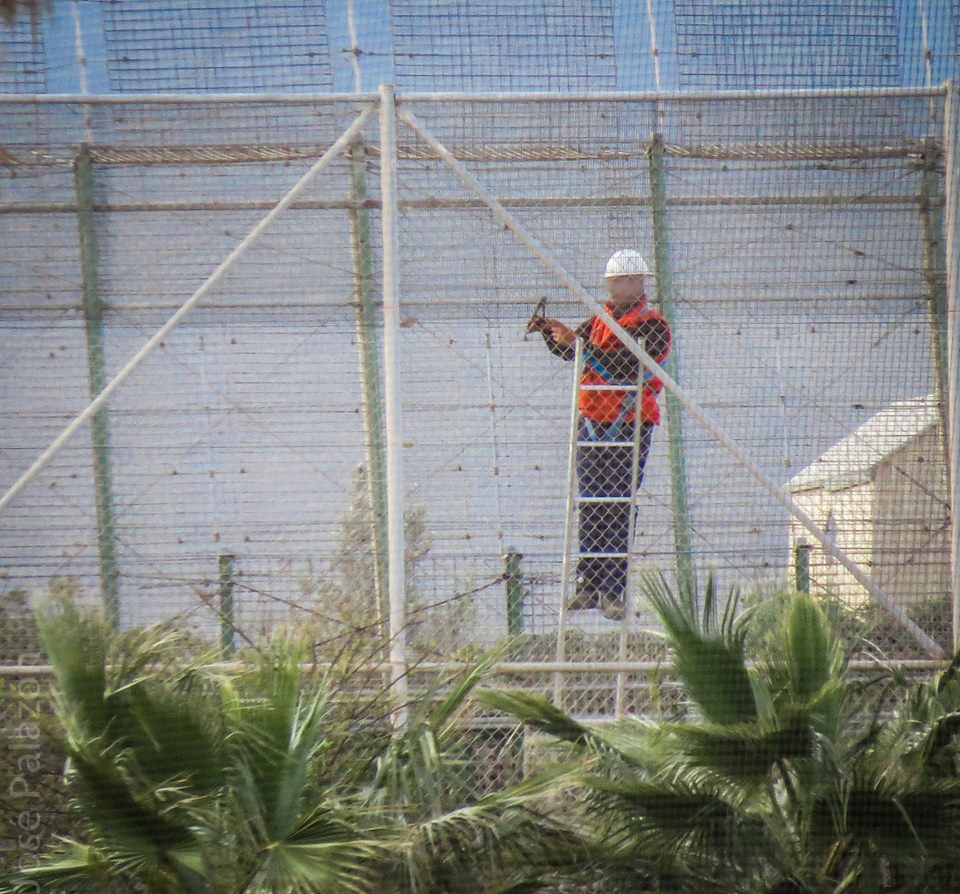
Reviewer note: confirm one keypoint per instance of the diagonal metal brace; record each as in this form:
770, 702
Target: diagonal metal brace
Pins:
154, 341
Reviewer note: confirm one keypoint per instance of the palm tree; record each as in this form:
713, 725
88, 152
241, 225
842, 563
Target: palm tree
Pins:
454, 842
792, 775
189, 775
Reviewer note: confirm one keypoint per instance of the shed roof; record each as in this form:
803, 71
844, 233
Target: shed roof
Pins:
852, 460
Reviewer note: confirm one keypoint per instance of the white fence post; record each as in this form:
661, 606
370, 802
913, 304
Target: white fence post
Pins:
396, 546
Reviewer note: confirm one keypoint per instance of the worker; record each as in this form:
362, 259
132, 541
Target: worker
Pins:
608, 422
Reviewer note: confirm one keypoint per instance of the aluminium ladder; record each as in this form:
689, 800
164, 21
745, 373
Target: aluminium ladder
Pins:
571, 551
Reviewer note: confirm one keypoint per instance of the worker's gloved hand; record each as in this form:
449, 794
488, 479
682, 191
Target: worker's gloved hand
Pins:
563, 335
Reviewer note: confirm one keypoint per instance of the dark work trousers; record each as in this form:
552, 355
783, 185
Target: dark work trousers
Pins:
605, 527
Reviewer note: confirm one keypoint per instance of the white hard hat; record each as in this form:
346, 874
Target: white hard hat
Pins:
626, 262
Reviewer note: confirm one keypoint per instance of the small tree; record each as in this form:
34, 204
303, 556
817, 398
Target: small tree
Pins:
344, 602
191, 777
791, 775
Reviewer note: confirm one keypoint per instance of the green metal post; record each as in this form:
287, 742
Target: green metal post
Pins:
686, 576
935, 272
801, 557
514, 580
370, 377
96, 377
228, 623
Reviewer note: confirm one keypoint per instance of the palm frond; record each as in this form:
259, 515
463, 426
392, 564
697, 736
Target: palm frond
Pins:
345, 866
419, 771
708, 649
274, 739
448, 710
501, 834
929, 724
419, 777
682, 828
741, 751
634, 742
525, 885
905, 825
72, 867
806, 663
949, 678
134, 823
415, 775
111, 694
75, 643
536, 711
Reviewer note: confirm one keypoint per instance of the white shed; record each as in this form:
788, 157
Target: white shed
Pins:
881, 492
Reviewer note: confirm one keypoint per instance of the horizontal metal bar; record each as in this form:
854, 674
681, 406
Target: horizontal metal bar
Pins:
201, 99
457, 204
143, 306
527, 667
603, 555
155, 207
581, 499
675, 201
604, 443
676, 95
688, 301
533, 96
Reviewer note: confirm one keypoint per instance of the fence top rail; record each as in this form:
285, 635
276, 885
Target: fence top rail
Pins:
551, 96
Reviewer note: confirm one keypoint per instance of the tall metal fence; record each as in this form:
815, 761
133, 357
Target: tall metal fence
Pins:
324, 412
203, 46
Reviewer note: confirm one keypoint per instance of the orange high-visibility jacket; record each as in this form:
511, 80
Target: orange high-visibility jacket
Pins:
605, 406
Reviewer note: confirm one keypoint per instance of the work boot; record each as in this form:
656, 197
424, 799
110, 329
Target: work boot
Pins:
614, 607
585, 598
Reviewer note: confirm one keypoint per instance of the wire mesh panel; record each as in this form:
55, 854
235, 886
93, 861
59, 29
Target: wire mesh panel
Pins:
803, 254
237, 444
503, 46
212, 46
801, 233
746, 45
114, 46
22, 63
238, 476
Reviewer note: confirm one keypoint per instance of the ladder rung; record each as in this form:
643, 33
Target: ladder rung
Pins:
604, 499
604, 443
603, 555
608, 387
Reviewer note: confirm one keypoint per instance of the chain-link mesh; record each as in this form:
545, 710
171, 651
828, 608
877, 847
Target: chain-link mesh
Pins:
806, 251
115, 218
804, 242
235, 483
802, 235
